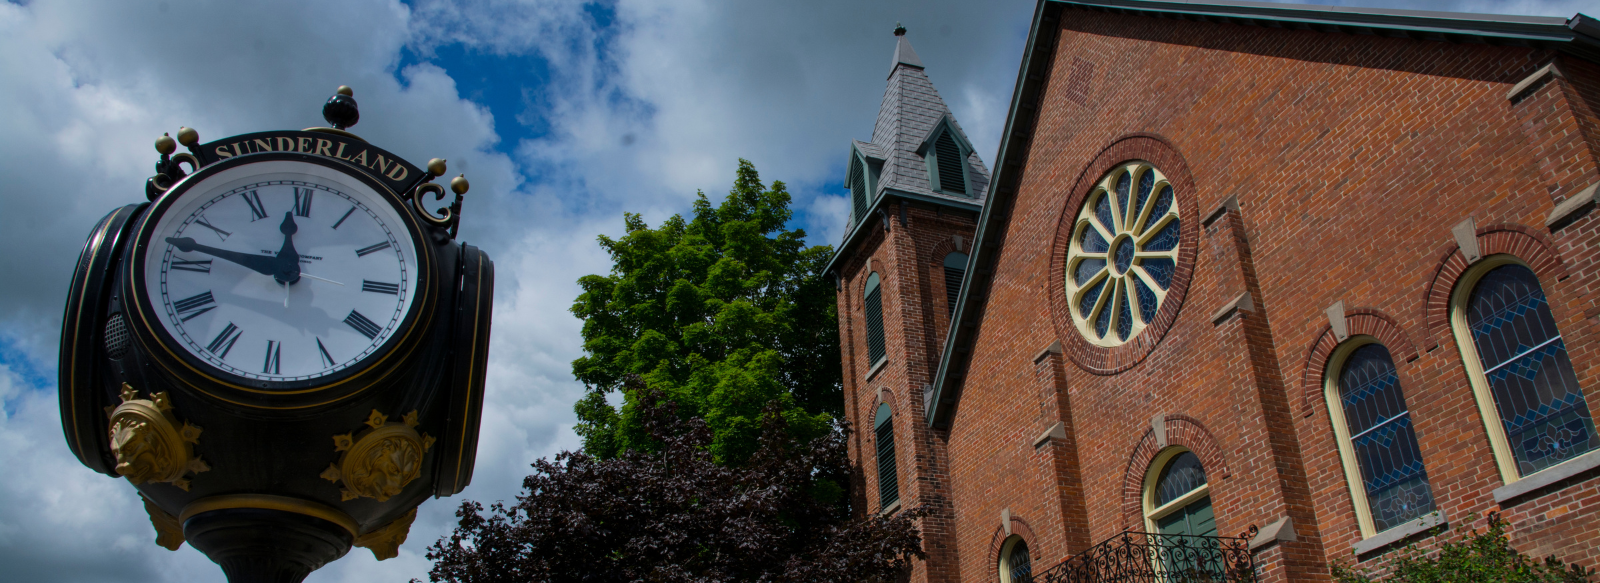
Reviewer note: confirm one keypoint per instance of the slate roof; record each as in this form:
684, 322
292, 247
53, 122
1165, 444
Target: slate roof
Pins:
1578, 36
911, 108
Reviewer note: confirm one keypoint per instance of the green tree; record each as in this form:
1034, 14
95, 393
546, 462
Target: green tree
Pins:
1473, 556
724, 313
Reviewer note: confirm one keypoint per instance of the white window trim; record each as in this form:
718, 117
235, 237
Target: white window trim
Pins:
1341, 431
1004, 563
1153, 513
1504, 460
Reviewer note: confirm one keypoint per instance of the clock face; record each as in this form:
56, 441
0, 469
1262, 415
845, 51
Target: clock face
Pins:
280, 271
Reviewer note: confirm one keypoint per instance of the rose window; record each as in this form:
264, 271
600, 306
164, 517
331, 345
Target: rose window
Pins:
1123, 254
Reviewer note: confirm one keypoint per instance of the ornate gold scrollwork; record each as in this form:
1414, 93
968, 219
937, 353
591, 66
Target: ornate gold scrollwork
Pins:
381, 460
149, 443
438, 194
169, 533
385, 542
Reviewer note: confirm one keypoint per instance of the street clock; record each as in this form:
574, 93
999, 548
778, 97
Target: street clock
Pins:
283, 350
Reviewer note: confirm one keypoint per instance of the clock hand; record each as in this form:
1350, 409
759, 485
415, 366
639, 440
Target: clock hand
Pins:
288, 260
258, 263
304, 274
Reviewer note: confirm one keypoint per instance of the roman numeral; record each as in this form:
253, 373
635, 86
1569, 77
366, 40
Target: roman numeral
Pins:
363, 325
365, 251
258, 211
201, 266
220, 233
380, 287
224, 340
346, 216
193, 306
271, 365
302, 202
327, 360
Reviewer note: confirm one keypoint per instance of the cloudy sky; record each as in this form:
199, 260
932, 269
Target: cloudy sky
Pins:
563, 113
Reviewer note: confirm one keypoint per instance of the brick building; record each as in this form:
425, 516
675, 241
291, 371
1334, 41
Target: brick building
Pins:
1294, 284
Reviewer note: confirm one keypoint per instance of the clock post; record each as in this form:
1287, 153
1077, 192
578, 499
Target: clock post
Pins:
283, 348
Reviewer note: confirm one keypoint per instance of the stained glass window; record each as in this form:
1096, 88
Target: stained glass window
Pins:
1123, 254
874, 312
1181, 476
1542, 408
888, 474
1018, 564
1383, 439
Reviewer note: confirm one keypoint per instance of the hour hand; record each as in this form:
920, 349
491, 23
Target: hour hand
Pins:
261, 264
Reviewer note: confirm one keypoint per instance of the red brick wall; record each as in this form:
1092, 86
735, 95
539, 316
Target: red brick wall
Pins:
1351, 158
909, 260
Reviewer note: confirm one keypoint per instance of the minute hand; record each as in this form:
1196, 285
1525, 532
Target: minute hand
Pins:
262, 264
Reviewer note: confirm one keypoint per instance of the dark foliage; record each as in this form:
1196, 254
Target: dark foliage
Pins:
673, 514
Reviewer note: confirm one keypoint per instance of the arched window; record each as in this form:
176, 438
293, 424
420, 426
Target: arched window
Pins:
955, 267
1530, 399
873, 306
888, 472
857, 180
1015, 564
1377, 441
1177, 499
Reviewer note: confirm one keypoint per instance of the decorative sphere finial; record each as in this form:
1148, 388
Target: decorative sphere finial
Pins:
459, 184
340, 110
436, 167
188, 137
165, 145
899, 30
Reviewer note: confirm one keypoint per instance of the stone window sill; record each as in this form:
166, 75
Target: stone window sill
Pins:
890, 509
872, 372
1547, 477
1400, 533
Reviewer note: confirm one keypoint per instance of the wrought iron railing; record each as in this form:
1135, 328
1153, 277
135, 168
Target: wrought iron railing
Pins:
1142, 557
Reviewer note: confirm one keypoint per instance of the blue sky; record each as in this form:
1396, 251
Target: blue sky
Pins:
563, 113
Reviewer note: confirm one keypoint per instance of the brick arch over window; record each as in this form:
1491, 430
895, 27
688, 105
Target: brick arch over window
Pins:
997, 540
1182, 430
1525, 243
1358, 322
934, 263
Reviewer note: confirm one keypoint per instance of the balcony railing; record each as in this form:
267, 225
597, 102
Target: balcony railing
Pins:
1142, 557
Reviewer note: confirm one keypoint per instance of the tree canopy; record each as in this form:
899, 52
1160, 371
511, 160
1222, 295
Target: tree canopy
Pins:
674, 514
724, 312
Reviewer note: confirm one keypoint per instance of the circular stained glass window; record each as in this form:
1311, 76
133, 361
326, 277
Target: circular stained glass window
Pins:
1123, 254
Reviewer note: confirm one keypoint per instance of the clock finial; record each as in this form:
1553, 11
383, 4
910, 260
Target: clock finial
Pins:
340, 110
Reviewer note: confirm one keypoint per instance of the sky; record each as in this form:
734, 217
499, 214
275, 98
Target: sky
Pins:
564, 114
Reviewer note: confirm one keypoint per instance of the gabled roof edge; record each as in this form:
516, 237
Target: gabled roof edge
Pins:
1578, 36
857, 232
1031, 75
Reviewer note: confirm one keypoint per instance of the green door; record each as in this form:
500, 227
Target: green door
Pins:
1196, 519
1184, 558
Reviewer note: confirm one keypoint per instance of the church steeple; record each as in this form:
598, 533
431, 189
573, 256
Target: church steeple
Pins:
917, 149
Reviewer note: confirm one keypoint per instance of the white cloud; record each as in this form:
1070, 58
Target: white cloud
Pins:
642, 104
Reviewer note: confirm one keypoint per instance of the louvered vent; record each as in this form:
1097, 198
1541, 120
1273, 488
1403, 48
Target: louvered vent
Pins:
117, 337
952, 165
955, 268
888, 474
874, 313
858, 190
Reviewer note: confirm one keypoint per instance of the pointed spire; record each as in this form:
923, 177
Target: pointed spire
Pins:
903, 53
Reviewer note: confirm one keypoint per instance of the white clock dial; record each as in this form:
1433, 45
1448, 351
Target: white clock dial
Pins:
281, 271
